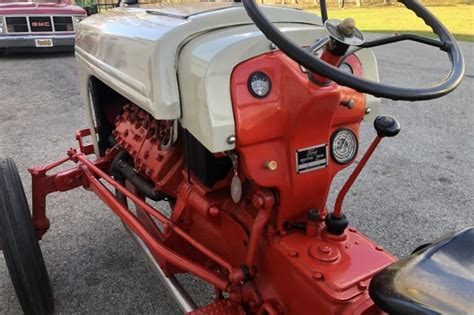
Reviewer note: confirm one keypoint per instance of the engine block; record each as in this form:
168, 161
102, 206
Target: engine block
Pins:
147, 141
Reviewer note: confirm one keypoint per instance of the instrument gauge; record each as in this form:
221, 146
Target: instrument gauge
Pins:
259, 84
344, 146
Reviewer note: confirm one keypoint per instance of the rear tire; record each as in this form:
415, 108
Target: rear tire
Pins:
20, 246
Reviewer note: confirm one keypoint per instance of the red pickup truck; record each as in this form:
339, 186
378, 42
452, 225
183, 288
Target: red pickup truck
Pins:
42, 24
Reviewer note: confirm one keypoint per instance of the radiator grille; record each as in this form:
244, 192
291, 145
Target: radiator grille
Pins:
19, 24
16, 24
40, 24
63, 24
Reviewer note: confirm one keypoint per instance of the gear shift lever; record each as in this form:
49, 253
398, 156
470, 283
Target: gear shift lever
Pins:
386, 126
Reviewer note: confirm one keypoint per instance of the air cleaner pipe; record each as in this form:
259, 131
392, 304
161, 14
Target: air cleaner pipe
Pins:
119, 165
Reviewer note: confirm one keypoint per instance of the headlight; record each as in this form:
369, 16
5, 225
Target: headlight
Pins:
259, 84
343, 145
78, 19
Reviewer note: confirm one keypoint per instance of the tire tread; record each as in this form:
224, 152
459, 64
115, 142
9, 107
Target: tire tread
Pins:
20, 246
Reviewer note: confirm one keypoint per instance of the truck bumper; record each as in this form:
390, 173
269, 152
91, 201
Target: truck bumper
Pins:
29, 42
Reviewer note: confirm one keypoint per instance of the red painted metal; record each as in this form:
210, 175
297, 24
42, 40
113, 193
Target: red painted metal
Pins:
264, 202
222, 307
243, 248
275, 127
353, 177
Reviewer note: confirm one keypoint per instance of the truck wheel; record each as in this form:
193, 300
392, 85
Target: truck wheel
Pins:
20, 246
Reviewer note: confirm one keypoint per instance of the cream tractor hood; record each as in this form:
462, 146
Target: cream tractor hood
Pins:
175, 60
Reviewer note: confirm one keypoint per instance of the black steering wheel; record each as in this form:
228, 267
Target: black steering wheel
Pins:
307, 59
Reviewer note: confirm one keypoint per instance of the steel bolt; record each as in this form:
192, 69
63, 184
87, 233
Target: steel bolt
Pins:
317, 276
214, 211
292, 253
324, 249
362, 285
231, 139
258, 201
271, 165
148, 172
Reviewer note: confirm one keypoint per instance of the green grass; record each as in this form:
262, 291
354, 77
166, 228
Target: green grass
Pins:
459, 19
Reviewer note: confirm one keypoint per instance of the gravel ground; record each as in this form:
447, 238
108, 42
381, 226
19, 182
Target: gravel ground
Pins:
418, 185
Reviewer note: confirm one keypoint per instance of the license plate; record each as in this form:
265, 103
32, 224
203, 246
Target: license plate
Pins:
47, 42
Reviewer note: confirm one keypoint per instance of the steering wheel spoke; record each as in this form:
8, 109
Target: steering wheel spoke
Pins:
443, 45
317, 45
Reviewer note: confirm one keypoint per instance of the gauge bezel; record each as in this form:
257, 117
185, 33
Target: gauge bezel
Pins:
249, 84
333, 136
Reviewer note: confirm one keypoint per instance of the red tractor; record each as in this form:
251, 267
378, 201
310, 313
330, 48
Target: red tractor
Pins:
234, 115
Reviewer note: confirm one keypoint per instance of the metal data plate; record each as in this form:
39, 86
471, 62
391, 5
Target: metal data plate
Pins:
311, 158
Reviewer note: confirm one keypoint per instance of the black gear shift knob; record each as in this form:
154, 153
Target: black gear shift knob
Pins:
386, 126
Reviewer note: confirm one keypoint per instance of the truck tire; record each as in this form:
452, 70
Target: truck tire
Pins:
20, 246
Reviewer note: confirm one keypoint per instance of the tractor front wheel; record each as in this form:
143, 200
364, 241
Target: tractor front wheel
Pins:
20, 246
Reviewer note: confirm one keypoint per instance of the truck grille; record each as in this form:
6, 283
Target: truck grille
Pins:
19, 24
63, 24
40, 24
16, 24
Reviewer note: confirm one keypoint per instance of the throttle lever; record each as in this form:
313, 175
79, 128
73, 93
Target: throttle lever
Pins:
386, 126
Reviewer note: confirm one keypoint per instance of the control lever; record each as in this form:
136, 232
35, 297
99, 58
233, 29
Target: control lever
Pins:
386, 126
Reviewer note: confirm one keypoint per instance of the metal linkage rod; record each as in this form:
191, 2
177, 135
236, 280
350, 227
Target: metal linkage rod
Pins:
159, 250
145, 206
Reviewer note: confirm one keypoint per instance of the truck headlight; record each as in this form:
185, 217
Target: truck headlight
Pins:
78, 19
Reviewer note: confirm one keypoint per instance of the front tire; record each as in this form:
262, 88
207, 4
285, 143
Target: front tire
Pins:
20, 246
